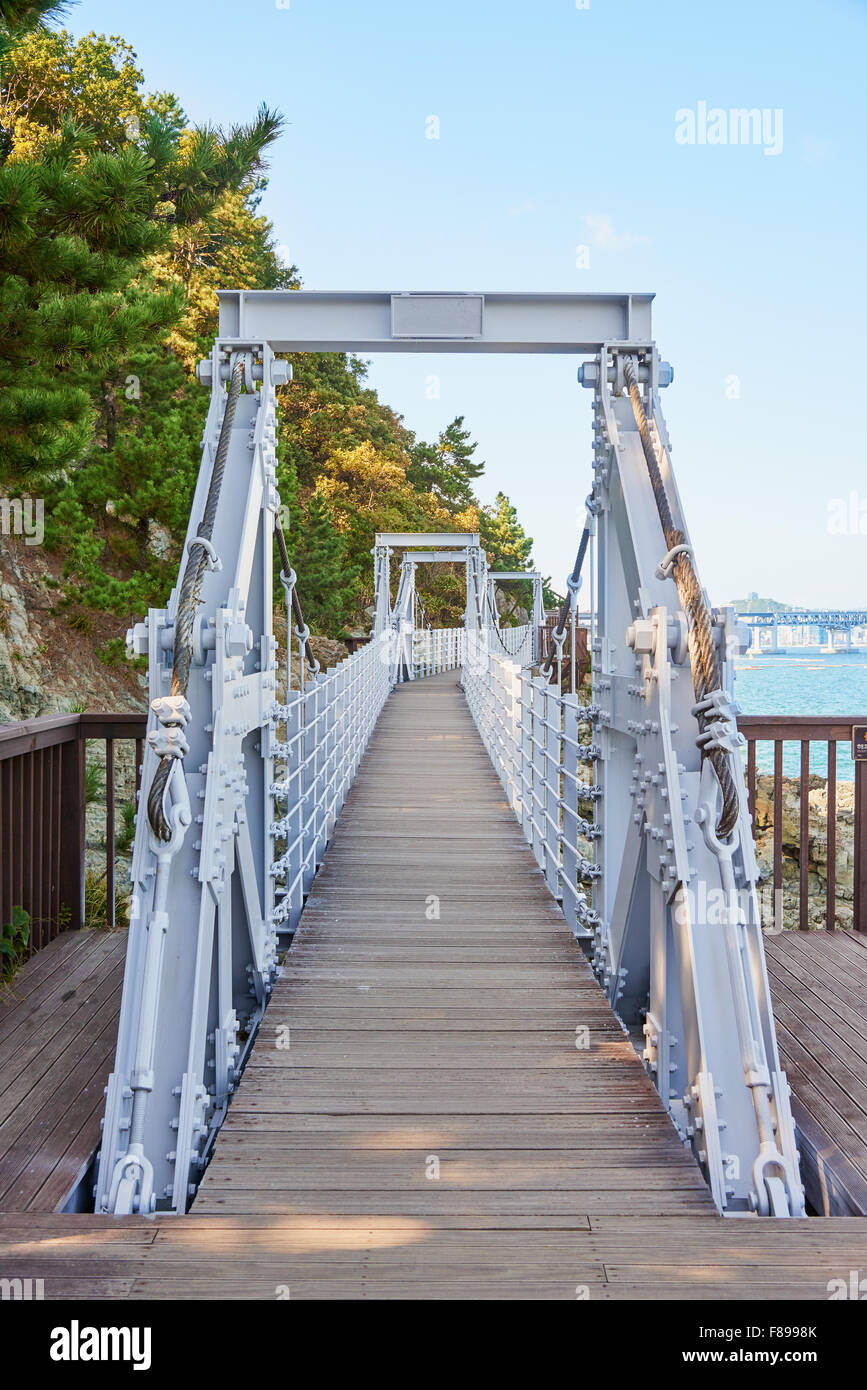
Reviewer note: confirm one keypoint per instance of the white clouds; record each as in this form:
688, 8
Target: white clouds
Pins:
601, 233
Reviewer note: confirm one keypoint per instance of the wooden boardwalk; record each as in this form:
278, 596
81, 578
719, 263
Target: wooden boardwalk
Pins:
431, 1131
432, 1001
819, 988
58, 1028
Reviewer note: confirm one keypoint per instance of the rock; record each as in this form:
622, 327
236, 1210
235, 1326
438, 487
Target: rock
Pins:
46, 665
817, 850
21, 696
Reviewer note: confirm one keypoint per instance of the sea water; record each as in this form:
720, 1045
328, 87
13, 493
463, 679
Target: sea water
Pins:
804, 683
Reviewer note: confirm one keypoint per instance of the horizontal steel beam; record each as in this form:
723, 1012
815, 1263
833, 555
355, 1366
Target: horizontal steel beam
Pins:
383, 321
429, 539
433, 557
513, 574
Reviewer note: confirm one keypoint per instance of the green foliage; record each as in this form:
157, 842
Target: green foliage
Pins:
447, 469
80, 622
96, 183
14, 942
125, 836
317, 551
112, 652
118, 222
92, 783
550, 597
504, 538
508, 547
96, 903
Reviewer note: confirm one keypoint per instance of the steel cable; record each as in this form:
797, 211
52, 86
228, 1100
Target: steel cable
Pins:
198, 558
706, 672
566, 604
312, 663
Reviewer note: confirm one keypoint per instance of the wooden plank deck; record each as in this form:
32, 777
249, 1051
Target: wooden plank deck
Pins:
58, 1027
420, 1043
413, 1038
819, 989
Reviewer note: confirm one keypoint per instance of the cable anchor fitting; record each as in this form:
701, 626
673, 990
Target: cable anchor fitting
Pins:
214, 561
666, 564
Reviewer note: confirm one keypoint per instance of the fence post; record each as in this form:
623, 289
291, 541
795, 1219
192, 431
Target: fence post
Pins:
859, 905
569, 881
553, 769
72, 829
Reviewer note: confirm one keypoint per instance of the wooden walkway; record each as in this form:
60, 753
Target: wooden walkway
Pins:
431, 1131
419, 1040
819, 989
58, 1028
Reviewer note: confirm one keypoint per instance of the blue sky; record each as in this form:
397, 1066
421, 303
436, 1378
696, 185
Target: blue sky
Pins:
557, 130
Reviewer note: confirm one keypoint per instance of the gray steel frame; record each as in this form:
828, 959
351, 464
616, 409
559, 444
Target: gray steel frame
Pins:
202, 941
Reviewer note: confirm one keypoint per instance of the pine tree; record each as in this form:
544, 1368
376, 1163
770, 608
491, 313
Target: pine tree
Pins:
447, 469
117, 225
82, 208
326, 584
508, 546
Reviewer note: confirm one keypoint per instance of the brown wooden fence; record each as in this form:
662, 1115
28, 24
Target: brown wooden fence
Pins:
780, 729
42, 811
42, 816
582, 655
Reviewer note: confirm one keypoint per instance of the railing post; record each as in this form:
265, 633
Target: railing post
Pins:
540, 767
72, 829
553, 766
569, 871
859, 905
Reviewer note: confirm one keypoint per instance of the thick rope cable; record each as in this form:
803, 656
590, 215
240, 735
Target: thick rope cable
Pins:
706, 672
198, 558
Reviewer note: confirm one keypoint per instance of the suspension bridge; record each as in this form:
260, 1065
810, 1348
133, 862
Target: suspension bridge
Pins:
442, 980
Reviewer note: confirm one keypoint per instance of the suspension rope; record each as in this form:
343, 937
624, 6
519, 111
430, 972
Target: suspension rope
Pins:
706, 672
200, 556
300, 625
566, 604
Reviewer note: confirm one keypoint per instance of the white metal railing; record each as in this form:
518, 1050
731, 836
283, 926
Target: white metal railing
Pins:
516, 642
436, 649
532, 734
327, 728
440, 649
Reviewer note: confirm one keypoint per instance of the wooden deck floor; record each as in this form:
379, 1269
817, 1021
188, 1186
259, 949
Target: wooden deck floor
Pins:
418, 1041
58, 1028
412, 1039
819, 988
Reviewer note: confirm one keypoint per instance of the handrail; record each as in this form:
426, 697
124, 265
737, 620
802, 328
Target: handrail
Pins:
805, 730
43, 769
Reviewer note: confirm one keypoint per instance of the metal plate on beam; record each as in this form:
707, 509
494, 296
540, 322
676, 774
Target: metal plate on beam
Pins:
437, 315
427, 539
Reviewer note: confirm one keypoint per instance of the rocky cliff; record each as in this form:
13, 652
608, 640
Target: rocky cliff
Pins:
817, 852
